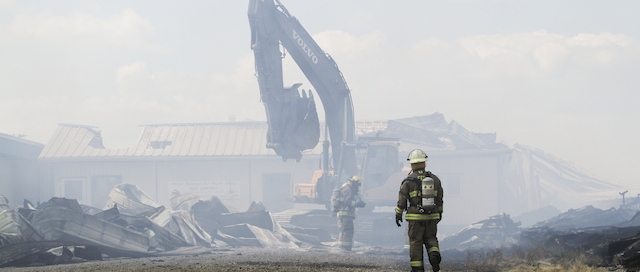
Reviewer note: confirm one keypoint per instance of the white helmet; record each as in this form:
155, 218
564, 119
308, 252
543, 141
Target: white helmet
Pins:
417, 156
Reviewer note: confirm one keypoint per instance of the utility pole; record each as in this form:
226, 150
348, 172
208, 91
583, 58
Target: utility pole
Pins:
622, 194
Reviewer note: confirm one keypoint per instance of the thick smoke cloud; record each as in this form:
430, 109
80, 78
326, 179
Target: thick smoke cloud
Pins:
567, 88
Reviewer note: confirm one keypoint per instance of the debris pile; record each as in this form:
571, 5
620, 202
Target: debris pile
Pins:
586, 217
609, 234
131, 225
612, 235
496, 231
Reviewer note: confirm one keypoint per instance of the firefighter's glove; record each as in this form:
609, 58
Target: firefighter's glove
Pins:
398, 219
360, 204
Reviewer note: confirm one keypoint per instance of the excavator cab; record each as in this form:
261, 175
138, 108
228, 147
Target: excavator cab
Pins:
379, 163
375, 162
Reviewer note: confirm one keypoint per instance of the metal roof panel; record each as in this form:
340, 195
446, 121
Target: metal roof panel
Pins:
196, 141
176, 140
206, 140
212, 145
231, 140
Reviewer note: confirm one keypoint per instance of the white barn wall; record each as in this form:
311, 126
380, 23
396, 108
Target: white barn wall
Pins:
157, 178
7, 179
140, 173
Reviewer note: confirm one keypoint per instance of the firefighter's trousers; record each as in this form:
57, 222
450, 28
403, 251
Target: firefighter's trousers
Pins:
345, 239
423, 233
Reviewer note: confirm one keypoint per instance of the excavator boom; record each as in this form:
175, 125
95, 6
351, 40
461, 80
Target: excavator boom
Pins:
292, 117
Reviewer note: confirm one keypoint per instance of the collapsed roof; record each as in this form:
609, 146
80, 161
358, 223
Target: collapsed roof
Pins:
531, 176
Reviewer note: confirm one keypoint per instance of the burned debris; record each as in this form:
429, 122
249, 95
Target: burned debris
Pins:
132, 225
587, 217
611, 236
62, 219
495, 231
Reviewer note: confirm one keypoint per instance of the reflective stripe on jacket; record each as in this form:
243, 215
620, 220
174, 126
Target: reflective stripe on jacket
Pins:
349, 198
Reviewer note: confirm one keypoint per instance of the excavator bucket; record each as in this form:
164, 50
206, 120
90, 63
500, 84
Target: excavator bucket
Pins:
307, 134
300, 126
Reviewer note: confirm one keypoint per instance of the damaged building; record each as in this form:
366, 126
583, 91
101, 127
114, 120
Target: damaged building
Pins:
229, 160
477, 171
20, 169
212, 184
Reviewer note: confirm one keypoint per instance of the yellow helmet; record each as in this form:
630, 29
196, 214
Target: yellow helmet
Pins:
417, 156
355, 180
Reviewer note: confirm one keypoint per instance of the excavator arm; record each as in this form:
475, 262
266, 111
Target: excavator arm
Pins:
291, 115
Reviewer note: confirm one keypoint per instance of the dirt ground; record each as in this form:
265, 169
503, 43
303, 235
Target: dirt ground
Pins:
257, 259
246, 259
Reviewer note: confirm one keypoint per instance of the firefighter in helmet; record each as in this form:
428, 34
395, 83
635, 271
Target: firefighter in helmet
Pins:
345, 200
423, 191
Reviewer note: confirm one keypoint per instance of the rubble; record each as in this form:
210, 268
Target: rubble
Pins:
62, 219
612, 235
18, 238
496, 231
27, 253
528, 219
130, 199
255, 227
161, 239
586, 217
184, 225
205, 211
626, 252
309, 226
132, 225
14, 228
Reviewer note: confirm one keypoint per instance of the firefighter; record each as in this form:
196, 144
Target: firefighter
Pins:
423, 191
345, 201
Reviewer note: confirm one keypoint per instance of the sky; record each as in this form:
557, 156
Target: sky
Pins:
561, 76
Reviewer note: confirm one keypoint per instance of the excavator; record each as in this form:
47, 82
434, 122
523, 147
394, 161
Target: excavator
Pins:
293, 123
